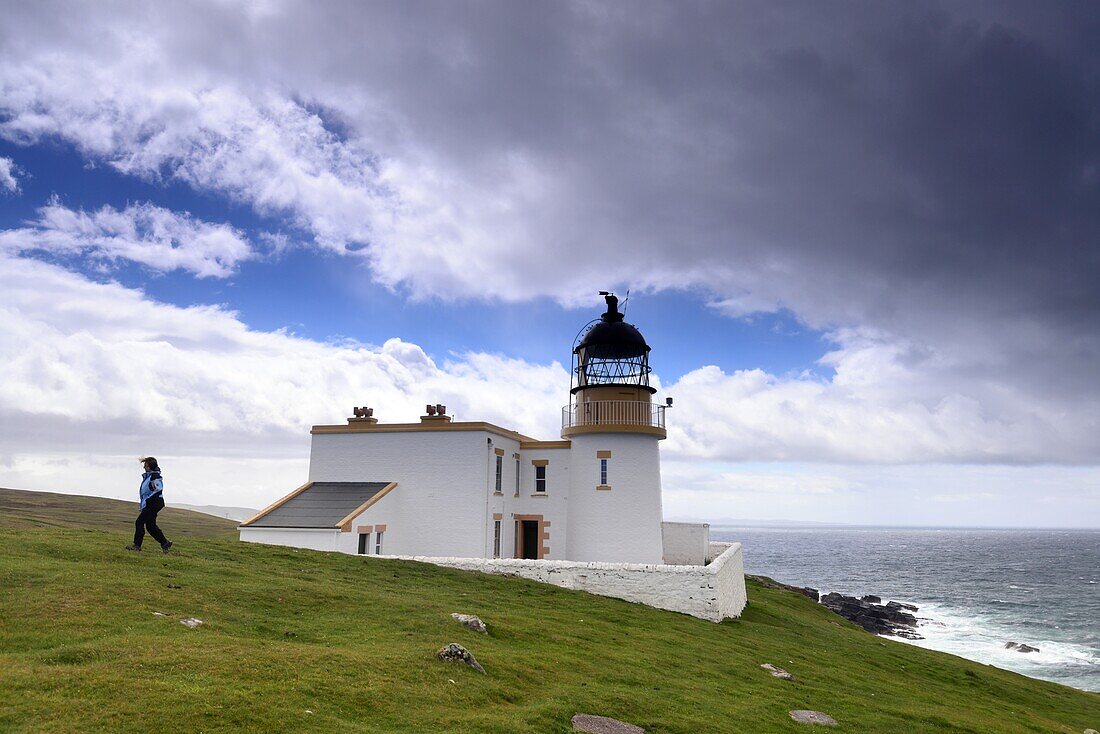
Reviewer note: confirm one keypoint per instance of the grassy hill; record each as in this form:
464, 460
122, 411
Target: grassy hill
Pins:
296, 640
22, 509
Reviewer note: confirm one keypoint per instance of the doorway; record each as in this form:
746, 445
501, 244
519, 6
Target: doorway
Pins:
529, 539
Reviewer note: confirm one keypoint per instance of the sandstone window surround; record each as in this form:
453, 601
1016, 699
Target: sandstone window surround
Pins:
604, 457
540, 475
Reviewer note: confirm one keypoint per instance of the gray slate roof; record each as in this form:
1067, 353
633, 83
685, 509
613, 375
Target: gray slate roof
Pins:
321, 506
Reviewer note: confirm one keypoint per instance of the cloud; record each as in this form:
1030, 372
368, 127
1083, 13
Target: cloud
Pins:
919, 182
932, 495
927, 172
95, 374
883, 404
99, 366
8, 170
157, 238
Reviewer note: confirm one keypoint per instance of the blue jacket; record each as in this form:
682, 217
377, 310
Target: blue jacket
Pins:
151, 486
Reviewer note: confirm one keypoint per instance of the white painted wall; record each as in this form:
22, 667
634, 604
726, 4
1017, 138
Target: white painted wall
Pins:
440, 505
323, 540
622, 524
728, 565
685, 543
713, 592
552, 504
445, 497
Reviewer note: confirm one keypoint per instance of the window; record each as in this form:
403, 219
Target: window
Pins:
517, 477
603, 472
378, 543
364, 538
496, 539
500, 472
540, 478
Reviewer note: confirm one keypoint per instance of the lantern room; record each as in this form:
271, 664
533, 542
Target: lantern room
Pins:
610, 380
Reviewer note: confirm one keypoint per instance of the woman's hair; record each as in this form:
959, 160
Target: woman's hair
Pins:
150, 463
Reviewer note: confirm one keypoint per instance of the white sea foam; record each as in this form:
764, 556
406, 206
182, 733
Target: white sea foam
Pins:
979, 638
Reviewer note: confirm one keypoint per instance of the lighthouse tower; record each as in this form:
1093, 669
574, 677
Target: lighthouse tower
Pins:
614, 509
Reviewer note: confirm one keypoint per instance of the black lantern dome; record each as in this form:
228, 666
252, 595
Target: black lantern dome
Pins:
612, 352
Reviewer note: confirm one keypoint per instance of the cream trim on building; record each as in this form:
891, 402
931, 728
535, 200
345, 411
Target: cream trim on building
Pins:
345, 524
276, 504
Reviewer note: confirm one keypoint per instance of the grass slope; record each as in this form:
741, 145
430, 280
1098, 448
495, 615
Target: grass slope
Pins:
288, 632
22, 509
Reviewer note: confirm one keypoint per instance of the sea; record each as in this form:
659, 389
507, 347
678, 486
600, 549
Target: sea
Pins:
977, 589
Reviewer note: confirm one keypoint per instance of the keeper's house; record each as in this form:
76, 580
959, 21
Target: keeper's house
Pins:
444, 488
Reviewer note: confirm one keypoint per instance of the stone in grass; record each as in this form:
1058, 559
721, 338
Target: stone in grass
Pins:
776, 671
191, 622
603, 725
802, 716
470, 621
456, 652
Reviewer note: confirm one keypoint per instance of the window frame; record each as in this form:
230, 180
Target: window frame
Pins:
540, 469
500, 476
603, 473
496, 538
378, 542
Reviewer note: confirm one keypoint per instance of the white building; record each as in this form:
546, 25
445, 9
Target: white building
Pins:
443, 488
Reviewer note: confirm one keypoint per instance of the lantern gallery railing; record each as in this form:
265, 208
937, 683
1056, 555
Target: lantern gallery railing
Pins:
613, 413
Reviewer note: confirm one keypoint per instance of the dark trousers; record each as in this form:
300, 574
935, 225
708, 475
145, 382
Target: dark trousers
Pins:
148, 519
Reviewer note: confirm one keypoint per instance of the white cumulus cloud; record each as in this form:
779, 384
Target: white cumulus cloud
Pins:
8, 170
153, 236
98, 373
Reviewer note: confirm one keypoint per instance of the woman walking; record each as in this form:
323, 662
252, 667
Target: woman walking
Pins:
152, 502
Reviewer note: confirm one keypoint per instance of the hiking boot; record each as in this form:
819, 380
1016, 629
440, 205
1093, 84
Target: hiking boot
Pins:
166, 547
136, 548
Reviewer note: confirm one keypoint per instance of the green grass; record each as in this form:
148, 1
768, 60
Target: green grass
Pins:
22, 509
352, 640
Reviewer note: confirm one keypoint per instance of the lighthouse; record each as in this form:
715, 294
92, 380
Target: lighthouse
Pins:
614, 428
581, 511
473, 489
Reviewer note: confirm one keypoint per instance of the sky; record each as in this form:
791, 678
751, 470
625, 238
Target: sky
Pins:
862, 239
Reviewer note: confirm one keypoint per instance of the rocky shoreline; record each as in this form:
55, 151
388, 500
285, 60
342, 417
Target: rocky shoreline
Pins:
892, 618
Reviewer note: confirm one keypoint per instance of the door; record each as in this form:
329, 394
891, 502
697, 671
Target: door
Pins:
529, 543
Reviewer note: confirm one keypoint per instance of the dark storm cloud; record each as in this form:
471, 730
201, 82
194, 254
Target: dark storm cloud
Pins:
921, 179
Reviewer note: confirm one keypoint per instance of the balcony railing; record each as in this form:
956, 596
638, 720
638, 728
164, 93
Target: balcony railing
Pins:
613, 413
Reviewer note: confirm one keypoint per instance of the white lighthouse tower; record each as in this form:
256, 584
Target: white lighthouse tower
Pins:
614, 509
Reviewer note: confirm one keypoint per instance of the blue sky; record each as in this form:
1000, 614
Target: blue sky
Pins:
318, 296
861, 241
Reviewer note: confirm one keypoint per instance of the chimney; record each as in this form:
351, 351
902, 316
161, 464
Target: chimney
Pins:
435, 414
362, 415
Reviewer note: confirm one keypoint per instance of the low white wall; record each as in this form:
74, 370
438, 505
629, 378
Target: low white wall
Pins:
685, 543
323, 540
729, 568
713, 592
716, 549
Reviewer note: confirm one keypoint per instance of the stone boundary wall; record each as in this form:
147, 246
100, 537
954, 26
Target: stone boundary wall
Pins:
713, 592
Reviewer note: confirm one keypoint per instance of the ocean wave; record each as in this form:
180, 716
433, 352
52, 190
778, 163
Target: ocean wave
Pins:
983, 639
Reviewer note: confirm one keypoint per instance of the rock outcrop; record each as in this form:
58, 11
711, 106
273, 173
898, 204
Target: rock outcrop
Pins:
603, 725
776, 671
803, 716
455, 652
470, 621
892, 618
1020, 647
